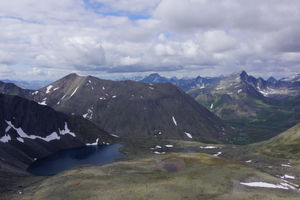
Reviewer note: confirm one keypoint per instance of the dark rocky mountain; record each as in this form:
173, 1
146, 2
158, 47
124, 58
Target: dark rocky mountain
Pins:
134, 109
29, 131
272, 80
257, 108
184, 84
12, 89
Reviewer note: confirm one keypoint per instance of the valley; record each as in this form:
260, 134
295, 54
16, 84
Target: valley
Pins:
168, 140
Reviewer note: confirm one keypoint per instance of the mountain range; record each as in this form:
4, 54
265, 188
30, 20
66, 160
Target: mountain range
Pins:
258, 109
129, 108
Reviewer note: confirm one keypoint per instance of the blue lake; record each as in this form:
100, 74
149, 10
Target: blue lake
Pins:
67, 159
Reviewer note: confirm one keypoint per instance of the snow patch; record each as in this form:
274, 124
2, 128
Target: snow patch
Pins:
265, 185
43, 103
114, 135
103, 88
35, 93
49, 88
174, 120
93, 144
156, 152
20, 139
212, 106
287, 177
114, 97
74, 92
217, 154
55, 88
188, 135
151, 88
88, 115
66, 130
208, 147
7, 129
286, 165
248, 161
169, 145
5, 138
52, 136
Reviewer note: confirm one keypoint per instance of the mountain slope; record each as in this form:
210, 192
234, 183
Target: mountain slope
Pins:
12, 89
29, 131
285, 145
134, 109
244, 103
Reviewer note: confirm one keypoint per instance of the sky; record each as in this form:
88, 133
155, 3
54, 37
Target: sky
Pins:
42, 40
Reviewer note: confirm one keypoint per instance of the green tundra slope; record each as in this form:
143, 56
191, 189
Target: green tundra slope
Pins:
285, 145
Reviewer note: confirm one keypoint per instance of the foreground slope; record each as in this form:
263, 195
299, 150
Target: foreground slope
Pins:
133, 109
285, 145
170, 176
29, 131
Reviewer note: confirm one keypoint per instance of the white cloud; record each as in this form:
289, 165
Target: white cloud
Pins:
129, 61
218, 41
178, 36
6, 71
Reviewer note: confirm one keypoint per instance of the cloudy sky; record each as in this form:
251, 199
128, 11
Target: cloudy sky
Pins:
112, 38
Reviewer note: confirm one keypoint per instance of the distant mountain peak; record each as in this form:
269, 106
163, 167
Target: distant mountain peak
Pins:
272, 80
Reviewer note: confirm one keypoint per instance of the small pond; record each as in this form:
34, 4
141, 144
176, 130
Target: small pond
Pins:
67, 159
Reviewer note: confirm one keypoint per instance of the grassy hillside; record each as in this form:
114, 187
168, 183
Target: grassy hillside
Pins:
285, 145
170, 176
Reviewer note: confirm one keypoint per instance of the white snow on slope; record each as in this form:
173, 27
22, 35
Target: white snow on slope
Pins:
5, 139
248, 161
286, 165
66, 130
266, 185
49, 88
169, 145
93, 144
188, 135
114, 135
74, 92
35, 93
212, 106
103, 88
52, 136
43, 103
88, 115
208, 147
288, 176
174, 120
20, 139
55, 88
7, 129
217, 154
156, 152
